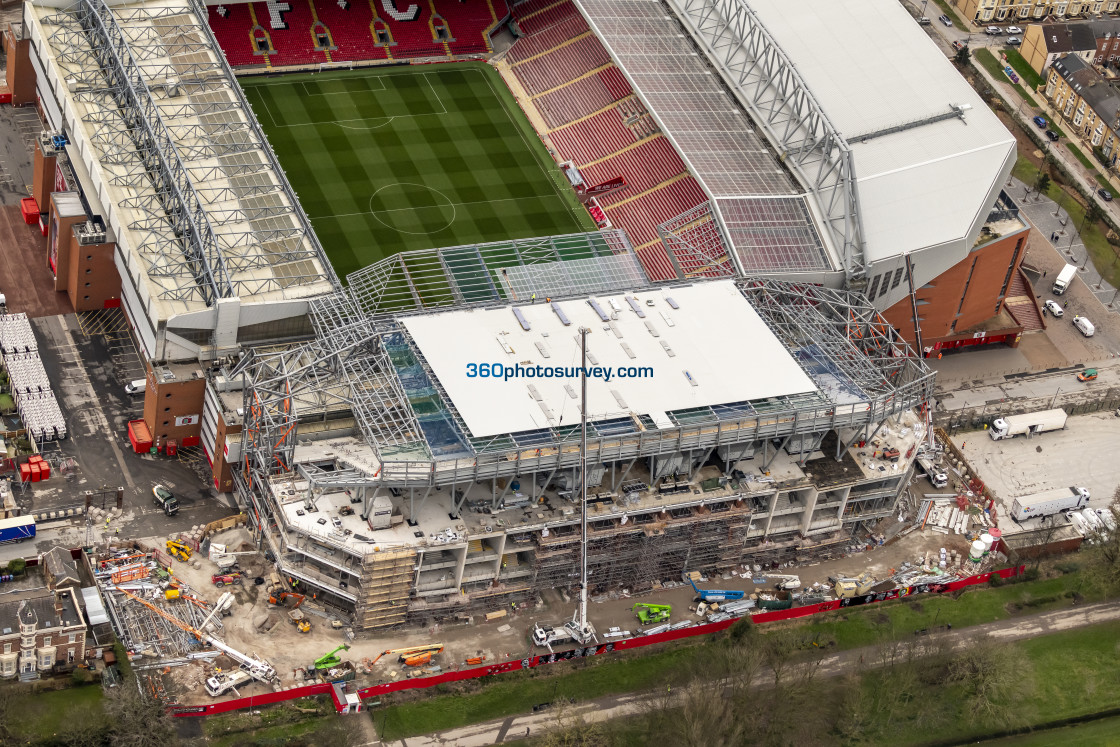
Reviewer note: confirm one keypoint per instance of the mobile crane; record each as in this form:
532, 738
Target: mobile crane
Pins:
258, 669
413, 656
652, 613
715, 595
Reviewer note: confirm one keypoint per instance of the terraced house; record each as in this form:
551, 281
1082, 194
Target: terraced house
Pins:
1087, 102
984, 11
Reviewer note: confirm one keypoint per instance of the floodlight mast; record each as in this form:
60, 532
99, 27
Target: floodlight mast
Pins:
583, 484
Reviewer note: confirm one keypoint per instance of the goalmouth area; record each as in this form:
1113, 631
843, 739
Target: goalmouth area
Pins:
387, 160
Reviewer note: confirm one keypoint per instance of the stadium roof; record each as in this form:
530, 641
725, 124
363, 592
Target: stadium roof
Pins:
924, 173
191, 189
680, 334
763, 211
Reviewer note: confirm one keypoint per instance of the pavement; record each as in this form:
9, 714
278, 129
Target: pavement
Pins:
616, 706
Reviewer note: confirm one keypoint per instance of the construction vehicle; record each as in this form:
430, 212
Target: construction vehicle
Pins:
258, 669
221, 683
179, 550
277, 595
224, 579
546, 635
846, 588
413, 656
165, 499
715, 595
326, 661
652, 613
297, 618
1028, 424
784, 581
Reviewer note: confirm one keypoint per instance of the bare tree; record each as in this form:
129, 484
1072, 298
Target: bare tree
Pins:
572, 730
138, 720
1103, 557
994, 677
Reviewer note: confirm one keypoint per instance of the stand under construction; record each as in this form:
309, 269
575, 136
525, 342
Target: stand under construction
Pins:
778, 419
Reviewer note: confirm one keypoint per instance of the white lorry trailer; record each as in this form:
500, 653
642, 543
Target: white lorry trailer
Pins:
938, 478
1065, 277
1028, 424
1049, 502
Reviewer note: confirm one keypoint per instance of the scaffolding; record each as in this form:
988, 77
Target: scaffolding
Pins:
386, 585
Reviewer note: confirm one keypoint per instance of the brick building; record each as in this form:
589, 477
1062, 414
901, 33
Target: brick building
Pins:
1088, 104
41, 631
979, 300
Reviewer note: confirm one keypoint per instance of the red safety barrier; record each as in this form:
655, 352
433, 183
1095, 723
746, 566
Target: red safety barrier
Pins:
597, 650
251, 701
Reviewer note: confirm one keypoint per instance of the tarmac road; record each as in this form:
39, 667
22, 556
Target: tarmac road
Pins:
602, 709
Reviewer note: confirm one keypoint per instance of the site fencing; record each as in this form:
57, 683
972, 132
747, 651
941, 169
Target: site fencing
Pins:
1074, 403
597, 650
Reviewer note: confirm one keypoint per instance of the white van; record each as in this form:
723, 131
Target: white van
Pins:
1085, 326
137, 386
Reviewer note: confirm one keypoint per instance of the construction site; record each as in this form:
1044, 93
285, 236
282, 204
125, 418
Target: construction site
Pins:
452, 502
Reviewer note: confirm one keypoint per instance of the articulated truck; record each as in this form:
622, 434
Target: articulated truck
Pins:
1049, 502
1027, 424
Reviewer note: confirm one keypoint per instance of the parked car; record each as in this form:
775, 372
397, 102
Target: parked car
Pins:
1052, 135
1014, 41
1105, 194
1054, 308
1039, 122
923, 21
946, 20
1014, 30
1087, 375
958, 45
993, 31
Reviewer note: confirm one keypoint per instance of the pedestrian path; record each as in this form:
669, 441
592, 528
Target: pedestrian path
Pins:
1055, 225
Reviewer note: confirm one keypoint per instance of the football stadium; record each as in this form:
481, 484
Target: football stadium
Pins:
323, 212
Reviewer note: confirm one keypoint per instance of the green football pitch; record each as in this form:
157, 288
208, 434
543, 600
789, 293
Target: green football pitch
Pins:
395, 159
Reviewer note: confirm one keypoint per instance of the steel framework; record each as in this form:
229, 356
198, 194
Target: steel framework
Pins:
211, 213
365, 366
766, 81
498, 272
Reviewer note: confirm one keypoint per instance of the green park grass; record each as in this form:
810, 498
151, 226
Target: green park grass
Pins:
400, 159
1087, 163
41, 716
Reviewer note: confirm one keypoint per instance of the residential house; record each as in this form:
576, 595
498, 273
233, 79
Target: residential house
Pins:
1022, 11
1045, 42
1087, 102
41, 631
60, 568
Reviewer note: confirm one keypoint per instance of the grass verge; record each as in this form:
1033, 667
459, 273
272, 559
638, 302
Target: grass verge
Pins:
1023, 68
958, 21
995, 68
1088, 163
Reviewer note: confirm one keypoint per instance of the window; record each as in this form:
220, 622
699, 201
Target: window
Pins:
1010, 268
72, 638
70, 656
7, 648
8, 668
897, 277
874, 285
46, 641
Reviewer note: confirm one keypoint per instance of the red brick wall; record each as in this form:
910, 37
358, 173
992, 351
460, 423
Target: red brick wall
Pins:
967, 293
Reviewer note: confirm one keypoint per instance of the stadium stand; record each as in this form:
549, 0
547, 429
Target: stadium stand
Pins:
306, 32
594, 120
